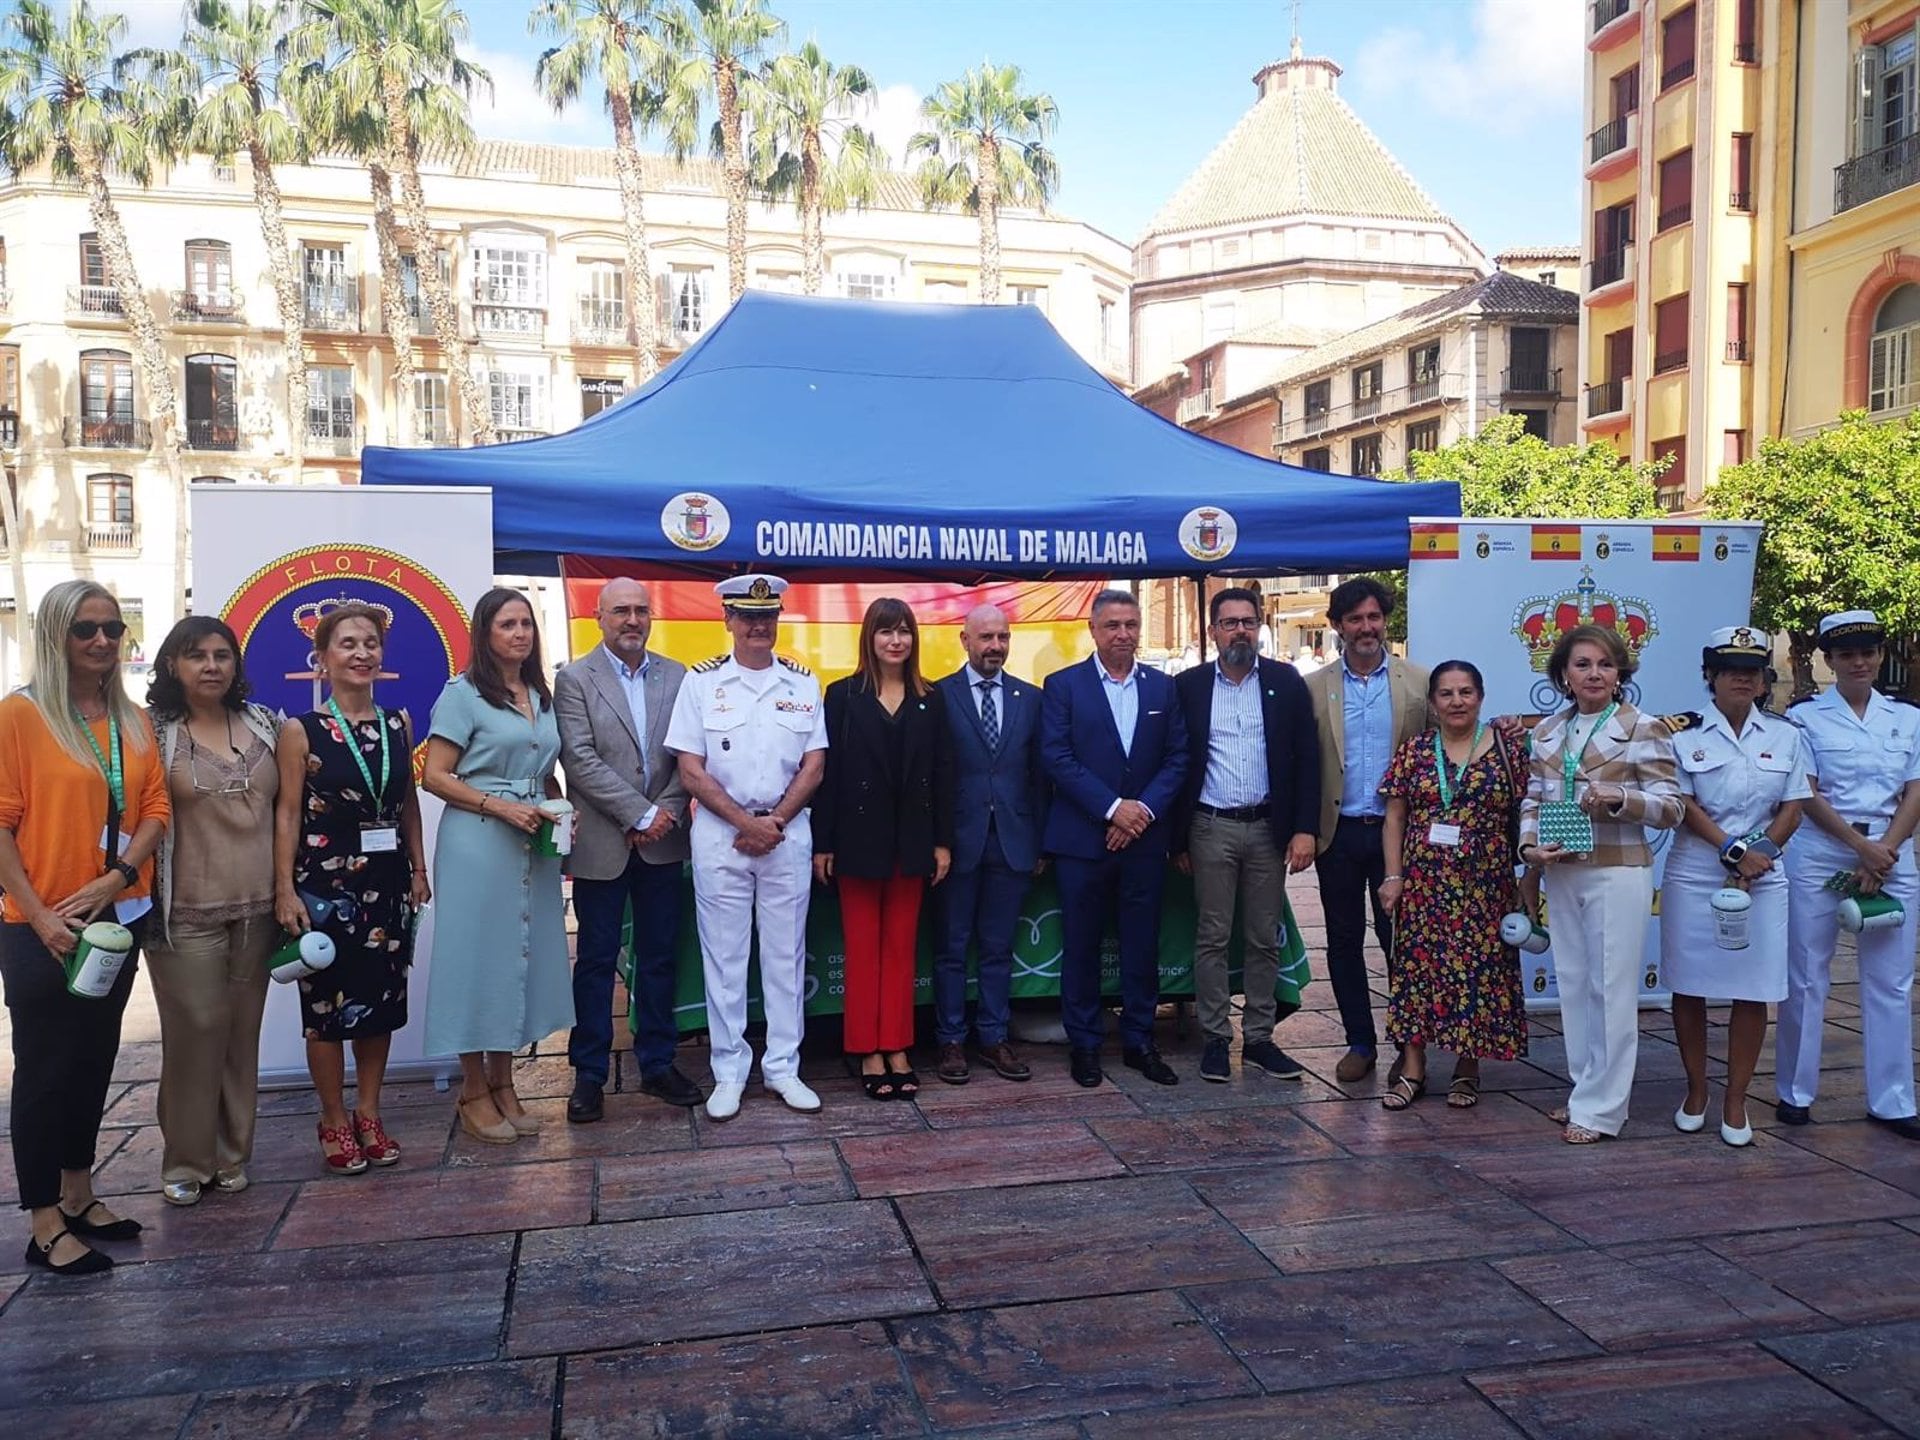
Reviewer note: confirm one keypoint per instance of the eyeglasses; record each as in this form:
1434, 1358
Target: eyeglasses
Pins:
1250, 623
87, 629
231, 785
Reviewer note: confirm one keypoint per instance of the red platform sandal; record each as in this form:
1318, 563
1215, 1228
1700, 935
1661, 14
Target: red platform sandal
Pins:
374, 1141
346, 1159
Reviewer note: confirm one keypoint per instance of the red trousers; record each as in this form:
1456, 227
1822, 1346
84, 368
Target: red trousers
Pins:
880, 924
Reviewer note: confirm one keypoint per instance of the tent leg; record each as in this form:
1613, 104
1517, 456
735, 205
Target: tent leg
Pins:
1200, 615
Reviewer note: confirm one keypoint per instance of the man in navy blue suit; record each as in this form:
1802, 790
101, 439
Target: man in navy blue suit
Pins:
1000, 790
1115, 746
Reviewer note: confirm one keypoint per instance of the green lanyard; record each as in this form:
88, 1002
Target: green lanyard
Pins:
1440, 756
1570, 757
353, 749
116, 777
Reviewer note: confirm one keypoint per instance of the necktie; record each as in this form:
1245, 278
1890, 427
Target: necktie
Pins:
989, 716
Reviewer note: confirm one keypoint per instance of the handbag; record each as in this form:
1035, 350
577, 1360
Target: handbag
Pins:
1564, 823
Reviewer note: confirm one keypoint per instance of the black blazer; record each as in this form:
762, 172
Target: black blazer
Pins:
870, 819
1293, 748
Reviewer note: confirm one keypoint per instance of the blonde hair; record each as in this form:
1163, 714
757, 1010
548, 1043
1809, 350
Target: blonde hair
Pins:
52, 685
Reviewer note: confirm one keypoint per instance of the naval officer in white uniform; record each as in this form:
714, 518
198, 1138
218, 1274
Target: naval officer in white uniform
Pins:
1744, 774
1865, 750
751, 734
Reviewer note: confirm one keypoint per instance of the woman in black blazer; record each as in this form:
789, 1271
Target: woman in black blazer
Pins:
883, 828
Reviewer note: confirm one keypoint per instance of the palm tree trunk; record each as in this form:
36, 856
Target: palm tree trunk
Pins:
17, 562
989, 178
162, 398
641, 313
434, 290
286, 290
813, 241
393, 301
733, 165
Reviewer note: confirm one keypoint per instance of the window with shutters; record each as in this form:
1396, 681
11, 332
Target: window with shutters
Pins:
1746, 32
1319, 399
109, 499
1740, 162
1893, 368
106, 395
1676, 191
1670, 334
1423, 436
331, 295
213, 412
1319, 458
1733, 448
1423, 373
209, 277
432, 419
687, 294
330, 402
1738, 348
1670, 489
1365, 455
1677, 39
1886, 122
1366, 389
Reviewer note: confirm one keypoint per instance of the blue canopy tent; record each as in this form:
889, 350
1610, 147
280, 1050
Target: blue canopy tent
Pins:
825, 439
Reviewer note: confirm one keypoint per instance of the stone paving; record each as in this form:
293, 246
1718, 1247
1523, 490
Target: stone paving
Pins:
1264, 1258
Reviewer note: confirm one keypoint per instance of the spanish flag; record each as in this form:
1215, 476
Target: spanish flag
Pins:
1556, 542
1435, 542
1676, 542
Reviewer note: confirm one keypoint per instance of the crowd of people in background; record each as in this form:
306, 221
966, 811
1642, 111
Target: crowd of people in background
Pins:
222, 839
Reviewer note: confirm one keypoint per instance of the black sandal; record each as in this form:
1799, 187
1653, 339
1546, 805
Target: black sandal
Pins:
90, 1262
1463, 1093
905, 1082
79, 1225
879, 1086
1402, 1093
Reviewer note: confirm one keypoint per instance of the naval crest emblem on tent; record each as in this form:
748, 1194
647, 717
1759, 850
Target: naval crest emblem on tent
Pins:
694, 521
1208, 533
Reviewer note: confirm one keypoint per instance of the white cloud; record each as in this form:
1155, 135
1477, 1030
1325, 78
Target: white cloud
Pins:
517, 111
1517, 60
894, 118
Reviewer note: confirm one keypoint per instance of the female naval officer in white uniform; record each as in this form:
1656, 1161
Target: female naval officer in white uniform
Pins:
1744, 773
1865, 750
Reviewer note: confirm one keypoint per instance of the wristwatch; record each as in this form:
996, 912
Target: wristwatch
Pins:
1732, 852
131, 875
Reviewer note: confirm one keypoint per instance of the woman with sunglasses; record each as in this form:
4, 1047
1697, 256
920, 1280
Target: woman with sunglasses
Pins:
214, 928
83, 804
348, 857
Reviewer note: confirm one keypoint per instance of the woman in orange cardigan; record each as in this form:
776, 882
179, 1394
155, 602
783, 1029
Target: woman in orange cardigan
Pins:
83, 804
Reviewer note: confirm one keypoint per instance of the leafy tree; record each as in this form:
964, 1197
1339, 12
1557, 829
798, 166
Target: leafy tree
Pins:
1840, 510
616, 42
808, 149
987, 147
1503, 472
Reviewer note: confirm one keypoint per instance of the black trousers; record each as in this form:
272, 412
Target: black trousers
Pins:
64, 1047
1350, 871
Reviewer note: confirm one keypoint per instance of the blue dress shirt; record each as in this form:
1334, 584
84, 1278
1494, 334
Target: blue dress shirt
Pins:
634, 681
1369, 740
1236, 744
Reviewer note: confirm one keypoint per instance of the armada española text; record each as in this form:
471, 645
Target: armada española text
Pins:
849, 540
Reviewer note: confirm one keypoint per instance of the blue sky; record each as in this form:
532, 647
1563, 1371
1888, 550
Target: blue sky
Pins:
1479, 99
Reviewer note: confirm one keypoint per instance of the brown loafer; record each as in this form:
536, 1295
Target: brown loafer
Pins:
1005, 1064
1354, 1065
953, 1065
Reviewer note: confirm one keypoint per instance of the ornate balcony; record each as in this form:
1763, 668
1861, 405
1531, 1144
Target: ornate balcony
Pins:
98, 432
333, 307
335, 440
100, 300
193, 307
212, 435
601, 323
113, 537
1876, 173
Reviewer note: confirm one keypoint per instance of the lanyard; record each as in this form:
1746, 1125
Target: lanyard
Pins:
1570, 757
116, 777
1459, 776
353, 748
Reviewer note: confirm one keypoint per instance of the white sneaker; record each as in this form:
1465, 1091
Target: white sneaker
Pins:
796, 1093
724, 1102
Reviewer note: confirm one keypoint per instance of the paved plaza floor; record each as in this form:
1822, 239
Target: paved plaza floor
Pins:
1265, 1258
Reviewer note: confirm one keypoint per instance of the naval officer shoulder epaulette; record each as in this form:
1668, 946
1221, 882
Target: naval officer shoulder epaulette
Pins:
1905, 700
1682, 720
793, 665
1803, 699
707, 666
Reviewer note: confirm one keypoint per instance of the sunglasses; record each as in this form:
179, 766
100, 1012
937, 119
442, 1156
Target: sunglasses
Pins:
87, 629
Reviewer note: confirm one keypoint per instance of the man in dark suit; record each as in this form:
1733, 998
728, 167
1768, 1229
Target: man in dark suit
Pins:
1115, 747
1249, 814
999, 809
630, 841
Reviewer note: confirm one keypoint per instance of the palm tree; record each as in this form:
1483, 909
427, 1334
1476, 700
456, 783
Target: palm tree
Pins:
810, 150
615, 41
239, 50
987, 148
400, 60
711, 47
68, 93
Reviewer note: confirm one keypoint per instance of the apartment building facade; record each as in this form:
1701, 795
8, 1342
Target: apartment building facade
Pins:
531, 239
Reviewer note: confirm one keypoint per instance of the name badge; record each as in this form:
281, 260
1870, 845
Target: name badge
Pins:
379, 839
1441, 834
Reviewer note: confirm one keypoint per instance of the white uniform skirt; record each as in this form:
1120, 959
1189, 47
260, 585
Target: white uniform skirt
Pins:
1691, 960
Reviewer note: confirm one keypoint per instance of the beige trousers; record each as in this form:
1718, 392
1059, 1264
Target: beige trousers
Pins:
210, 985
1236, 862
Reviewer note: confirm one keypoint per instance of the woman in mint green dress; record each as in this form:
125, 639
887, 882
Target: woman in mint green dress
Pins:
499, 979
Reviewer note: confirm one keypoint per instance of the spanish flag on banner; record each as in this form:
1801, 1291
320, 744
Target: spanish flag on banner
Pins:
820, 623
1676, 542
1556, 542
1435, 542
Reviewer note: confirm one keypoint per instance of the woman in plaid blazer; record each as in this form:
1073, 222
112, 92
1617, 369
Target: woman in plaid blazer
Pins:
1617, 767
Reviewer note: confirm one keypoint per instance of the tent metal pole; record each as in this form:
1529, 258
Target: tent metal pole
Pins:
1200, 615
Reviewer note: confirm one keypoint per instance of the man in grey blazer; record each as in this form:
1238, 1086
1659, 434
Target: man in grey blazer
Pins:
629, 842
1000, 790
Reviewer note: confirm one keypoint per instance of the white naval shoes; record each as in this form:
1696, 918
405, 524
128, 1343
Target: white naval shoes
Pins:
796, 1093
724, 1102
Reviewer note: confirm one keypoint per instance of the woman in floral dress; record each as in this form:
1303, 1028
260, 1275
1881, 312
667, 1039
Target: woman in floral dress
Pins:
1450, 858
347, 835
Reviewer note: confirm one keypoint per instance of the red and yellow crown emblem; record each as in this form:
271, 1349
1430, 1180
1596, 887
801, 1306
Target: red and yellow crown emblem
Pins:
1540, 620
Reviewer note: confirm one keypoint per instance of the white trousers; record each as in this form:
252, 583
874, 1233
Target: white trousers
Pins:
1886, 979
730, 892
1598, 917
